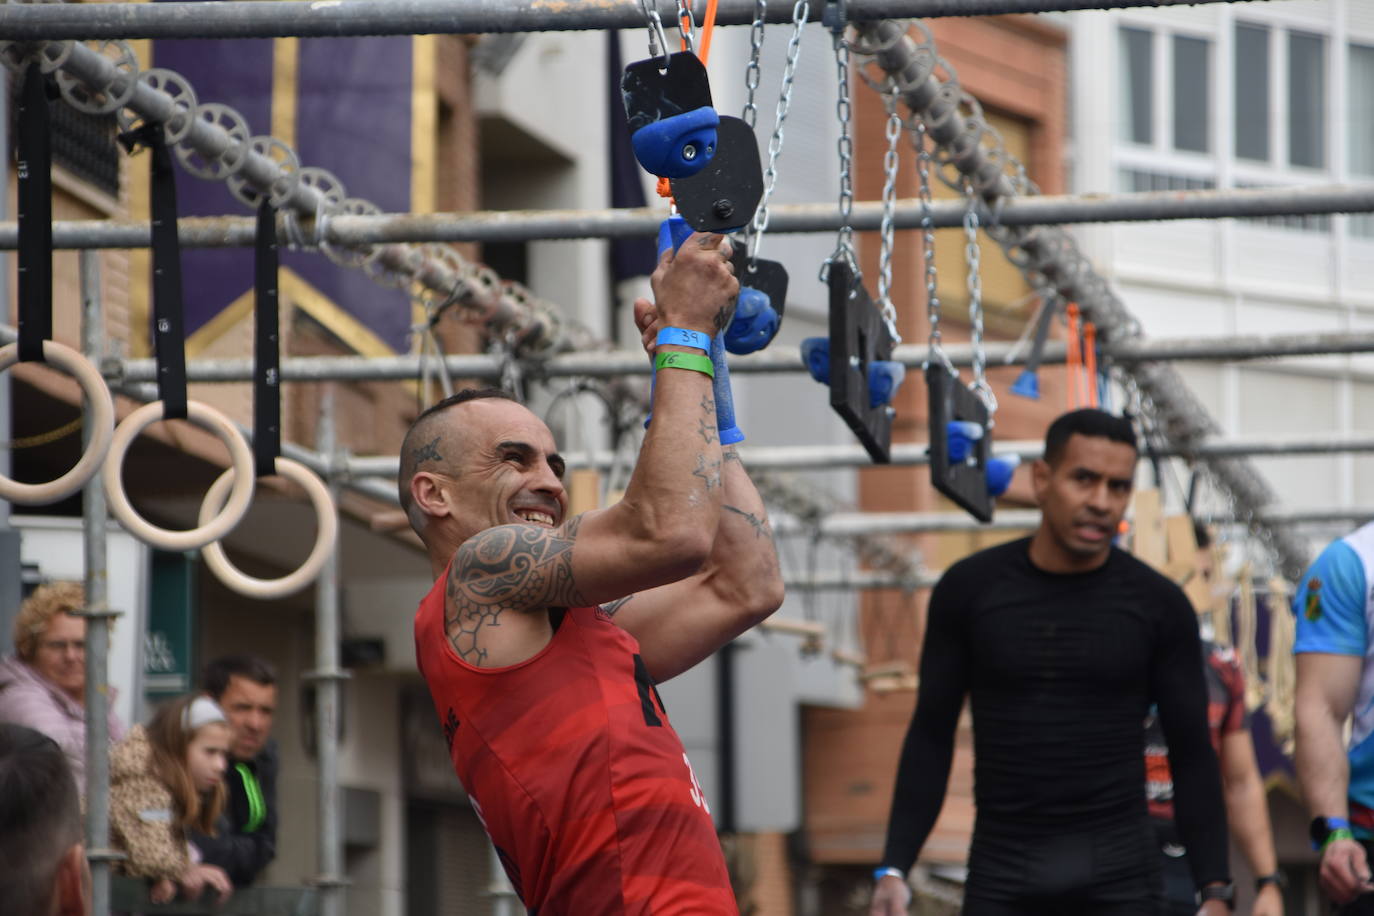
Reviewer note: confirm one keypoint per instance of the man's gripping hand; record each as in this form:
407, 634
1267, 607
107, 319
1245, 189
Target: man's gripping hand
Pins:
695, 287
1345, 871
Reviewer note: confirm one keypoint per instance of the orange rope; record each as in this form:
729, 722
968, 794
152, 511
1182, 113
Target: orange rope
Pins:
1072, 357
1090, 361
707, 25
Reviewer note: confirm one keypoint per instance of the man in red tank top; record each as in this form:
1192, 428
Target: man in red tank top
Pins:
543, 636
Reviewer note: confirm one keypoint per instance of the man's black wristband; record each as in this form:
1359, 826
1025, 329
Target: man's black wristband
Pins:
1275, 878
1226, 893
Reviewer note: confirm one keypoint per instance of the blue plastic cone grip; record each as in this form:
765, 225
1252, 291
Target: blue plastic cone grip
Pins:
884, 378
999, 473
678, 146
960, 435
815, 353
1027, 385
755, 322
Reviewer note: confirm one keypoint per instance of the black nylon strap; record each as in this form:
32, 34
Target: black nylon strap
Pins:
34, 154
169, 336
266, 349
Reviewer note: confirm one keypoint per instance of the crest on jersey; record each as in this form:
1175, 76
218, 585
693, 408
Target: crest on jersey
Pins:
1312, 608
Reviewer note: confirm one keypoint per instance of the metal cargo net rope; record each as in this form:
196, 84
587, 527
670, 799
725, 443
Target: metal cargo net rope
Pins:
969, 149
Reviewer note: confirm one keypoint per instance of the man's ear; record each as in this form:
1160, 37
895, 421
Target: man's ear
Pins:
427, 495
73, 889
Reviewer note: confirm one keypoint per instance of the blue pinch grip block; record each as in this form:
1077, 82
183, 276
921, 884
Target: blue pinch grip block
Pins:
815, 352
755, 322
725, 402
1000, 471
884, 378
960, 435
678, 146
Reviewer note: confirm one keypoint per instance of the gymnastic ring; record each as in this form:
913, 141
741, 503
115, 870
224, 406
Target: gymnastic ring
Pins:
101, 426
241, 462
326, 515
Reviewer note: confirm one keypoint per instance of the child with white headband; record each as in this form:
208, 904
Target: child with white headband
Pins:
166, 778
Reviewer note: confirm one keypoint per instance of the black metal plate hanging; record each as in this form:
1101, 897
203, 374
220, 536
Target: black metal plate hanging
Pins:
858, 337
966, 483
651, 93
723, 196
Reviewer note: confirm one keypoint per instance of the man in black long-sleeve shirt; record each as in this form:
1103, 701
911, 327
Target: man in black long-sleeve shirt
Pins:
245, 840
1061, 642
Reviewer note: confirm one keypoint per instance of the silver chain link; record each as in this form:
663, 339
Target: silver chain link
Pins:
658, 41
752, 74
887, 232
928, 248
686, 25
980, 385
844, 242
754, 239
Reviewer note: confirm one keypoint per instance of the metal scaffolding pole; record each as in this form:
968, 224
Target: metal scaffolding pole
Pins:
642, 222
339, 18
1048, 256
328, 678
776, 359
97, 613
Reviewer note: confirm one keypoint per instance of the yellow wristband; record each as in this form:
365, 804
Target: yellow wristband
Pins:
693, 361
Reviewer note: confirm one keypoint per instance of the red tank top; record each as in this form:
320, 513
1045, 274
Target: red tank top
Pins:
577, 775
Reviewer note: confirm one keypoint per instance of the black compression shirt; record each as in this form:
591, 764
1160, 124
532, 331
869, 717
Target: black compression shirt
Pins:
1060, 671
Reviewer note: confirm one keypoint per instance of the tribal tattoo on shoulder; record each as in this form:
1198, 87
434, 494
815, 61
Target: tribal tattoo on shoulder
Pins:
514, 568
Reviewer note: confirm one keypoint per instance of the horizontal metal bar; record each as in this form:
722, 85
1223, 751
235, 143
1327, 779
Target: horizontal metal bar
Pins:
915, 454
776, 359
339, 18
847, 524
642, 222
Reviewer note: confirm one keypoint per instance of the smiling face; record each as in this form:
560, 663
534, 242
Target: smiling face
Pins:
1083, 497
61, 655
499, 467
208, 754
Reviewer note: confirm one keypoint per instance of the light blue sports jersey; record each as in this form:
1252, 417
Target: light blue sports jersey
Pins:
1335, 611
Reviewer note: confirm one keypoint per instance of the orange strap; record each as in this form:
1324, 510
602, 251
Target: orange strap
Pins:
1090, 361
1072, 358
707, 25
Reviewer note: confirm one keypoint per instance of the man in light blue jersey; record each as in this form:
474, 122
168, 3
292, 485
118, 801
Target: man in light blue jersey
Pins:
1335, 680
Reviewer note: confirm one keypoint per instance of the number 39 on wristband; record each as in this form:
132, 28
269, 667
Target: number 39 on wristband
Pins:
692, 361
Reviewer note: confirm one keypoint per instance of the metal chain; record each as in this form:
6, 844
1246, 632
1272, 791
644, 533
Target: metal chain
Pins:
980, 385
844, 242
887, 232
752, 74
754, 239
928, 248
686, 25
658, 41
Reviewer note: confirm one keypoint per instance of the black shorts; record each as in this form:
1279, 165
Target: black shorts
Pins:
1110, 871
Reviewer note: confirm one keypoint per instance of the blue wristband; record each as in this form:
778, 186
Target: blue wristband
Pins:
681, 337
881, 873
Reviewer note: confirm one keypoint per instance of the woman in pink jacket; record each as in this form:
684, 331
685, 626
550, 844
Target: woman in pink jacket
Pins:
43, 685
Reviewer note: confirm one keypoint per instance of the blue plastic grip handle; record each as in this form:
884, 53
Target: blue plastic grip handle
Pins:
678, 146
884, 378
999, 473
725, 400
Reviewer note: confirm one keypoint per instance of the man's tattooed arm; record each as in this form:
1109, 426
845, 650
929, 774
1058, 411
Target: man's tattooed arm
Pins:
510, 568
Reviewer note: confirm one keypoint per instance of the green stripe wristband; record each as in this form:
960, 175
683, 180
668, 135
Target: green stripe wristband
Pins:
1340, 833
692, 361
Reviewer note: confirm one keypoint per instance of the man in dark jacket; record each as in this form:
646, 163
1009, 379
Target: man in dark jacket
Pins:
245, 841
